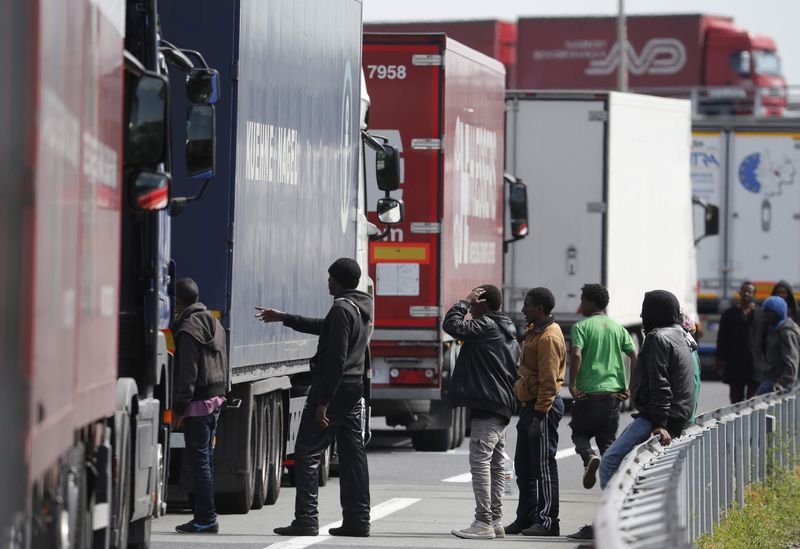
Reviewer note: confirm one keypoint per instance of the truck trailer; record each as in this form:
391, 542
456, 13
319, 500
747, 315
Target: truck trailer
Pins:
85, 391
610, 200
287, 201
749, 170
441, 103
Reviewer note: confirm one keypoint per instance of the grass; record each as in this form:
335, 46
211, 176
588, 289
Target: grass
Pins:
770, 517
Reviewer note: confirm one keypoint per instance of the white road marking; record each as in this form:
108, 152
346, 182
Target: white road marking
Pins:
376, 513
467, 477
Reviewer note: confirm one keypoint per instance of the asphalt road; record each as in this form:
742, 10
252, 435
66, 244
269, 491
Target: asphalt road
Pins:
417, 498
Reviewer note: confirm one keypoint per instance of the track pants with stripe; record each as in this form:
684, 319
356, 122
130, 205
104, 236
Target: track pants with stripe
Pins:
537, 469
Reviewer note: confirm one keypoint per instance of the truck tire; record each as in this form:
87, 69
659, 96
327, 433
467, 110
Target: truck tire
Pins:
123, 499
461, 426
240, 501
275, 447
139, 535
262, 457
432, 440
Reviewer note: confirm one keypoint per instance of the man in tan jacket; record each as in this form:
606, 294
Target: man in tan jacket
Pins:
541, 374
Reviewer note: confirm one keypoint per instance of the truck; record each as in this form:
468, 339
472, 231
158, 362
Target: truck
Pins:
441, 104
493, 37
749, 170
84, 281
724, 68
610, 200
288, 200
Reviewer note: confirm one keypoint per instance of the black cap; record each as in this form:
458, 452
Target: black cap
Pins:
346, 272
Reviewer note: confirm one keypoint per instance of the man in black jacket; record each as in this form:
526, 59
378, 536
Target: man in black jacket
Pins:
662, 384
201, 361
333, 407
483, 380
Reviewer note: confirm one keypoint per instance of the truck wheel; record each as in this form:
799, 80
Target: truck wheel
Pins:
262, 459
325, 467
275, 447
454, 427
462, 426
122, 501
240, 501
433, 440
74, 500
139, 537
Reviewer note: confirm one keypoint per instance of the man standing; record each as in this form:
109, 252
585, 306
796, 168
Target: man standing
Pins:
333, 408
483, 380
781, 347
739, 355
662, 384
201, 361
540, 376
597, 379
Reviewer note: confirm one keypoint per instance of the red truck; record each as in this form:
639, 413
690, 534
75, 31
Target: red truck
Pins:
449, 126
725, 69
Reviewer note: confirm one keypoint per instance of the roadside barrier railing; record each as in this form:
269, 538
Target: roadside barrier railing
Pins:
667, 496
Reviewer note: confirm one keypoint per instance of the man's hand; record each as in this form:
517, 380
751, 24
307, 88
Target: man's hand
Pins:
536, 428
269, 315
475, 296
623, 395
177, 422
322, 416
576, 394
663, 434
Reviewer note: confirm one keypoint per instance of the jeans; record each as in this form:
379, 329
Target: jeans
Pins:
537, 469
633, 435
767, 386
198, 433
594, 418
486, 444
344, 413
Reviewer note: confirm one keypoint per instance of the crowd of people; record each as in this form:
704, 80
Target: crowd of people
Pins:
494, 376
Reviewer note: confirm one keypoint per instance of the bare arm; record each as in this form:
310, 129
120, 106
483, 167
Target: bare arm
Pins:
574, 370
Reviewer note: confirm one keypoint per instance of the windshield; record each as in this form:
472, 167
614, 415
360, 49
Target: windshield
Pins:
767, 63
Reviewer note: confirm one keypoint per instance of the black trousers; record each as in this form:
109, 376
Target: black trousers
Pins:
537, 469
344, 413
594, 418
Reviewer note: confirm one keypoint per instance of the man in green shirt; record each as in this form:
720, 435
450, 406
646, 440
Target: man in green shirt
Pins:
597, 378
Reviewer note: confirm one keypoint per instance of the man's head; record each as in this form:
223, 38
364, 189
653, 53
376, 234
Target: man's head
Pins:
538, 304
747, 292
186, 294
344, 275
775, 310
660, 309
594, 299
491, 300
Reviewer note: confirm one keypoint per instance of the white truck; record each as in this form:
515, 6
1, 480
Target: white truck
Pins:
609, 200
749, 169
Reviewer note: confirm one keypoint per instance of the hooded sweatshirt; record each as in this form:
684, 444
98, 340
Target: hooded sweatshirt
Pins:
662, 384
201, 357
791, 302
343, 338
781, 345
486, 367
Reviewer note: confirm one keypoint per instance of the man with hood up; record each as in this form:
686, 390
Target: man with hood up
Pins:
333, 408
483, 380
784, 289
201, 361
662, 384
781, 347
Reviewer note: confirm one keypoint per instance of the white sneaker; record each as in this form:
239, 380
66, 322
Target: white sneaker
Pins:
499, 531
478, 530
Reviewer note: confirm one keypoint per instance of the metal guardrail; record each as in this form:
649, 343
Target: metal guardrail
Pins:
667, 496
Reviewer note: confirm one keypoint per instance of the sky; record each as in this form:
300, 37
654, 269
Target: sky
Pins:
779, 19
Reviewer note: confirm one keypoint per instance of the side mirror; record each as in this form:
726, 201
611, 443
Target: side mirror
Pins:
390, 211
711, 218
202, 86
387, 168
149, 191
518, 208
200, 142
147, 121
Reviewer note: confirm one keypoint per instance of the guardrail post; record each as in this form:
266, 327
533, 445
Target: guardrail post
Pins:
740, 449
730, 469
762, 449
717, 470
708, 502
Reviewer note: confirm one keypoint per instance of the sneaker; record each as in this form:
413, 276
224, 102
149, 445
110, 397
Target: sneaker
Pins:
361, 532
499, 531
193, 527
478, 530
539, 530
590, 472
586, 532
297, 530
515, 528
